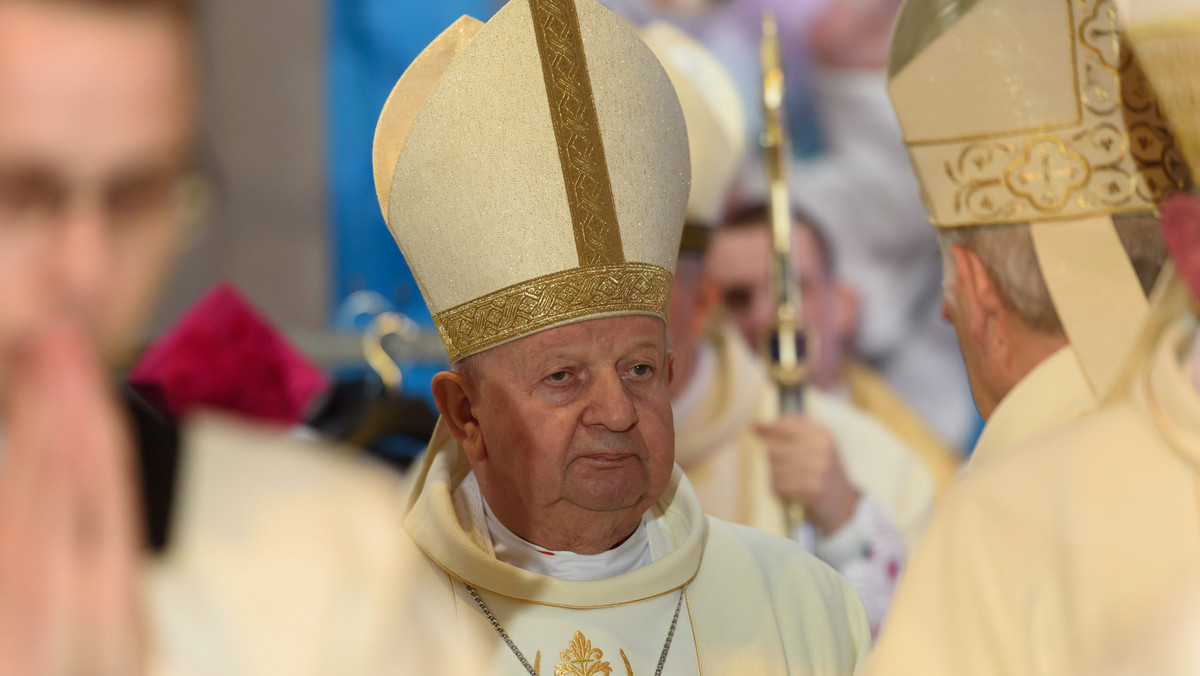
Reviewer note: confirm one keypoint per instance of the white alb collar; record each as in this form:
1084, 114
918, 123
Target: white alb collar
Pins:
514, 550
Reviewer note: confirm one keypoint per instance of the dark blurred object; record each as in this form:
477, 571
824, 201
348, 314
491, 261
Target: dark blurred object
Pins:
157, 438
368, 415
224, 355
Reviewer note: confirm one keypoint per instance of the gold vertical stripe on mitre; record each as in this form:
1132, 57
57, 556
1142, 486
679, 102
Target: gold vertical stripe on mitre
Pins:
577, 131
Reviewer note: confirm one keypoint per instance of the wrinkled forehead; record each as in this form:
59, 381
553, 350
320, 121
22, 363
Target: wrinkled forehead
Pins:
594, 340
87, 87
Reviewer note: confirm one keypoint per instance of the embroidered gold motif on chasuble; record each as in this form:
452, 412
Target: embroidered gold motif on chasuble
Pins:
581, 659
1116, 155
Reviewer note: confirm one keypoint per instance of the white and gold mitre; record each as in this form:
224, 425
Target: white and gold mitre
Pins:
1034, 111
534, 171
1017, 111
1166, 36
716, 123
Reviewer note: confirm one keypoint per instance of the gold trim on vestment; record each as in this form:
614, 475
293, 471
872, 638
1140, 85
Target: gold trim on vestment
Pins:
695, 642
577, 131
550, 300
518, 599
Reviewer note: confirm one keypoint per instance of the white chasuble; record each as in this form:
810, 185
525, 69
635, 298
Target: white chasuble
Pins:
1062, 554
749, 602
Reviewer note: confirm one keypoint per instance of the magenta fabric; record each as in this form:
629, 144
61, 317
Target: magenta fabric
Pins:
224, 355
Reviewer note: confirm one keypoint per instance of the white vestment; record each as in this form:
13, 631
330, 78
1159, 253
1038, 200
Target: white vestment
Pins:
725, 459
289, 558
750, 602
1053, 394
1060, 554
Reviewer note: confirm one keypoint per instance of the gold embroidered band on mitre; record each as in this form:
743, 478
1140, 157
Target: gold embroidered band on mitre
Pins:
577, 130
558, 298
1115, 156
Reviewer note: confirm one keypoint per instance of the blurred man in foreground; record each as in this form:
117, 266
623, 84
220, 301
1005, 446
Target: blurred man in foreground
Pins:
278, 557
1074, 527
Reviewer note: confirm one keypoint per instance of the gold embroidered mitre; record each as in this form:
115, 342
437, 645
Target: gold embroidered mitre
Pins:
716, 124
1026, 110
1166, 36
1034, 111
534, 171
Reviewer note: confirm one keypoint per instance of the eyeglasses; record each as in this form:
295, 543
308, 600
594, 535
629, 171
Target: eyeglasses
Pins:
36, 202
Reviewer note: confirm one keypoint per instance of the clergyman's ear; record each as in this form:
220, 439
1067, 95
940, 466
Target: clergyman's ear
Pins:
453, 394
978, 297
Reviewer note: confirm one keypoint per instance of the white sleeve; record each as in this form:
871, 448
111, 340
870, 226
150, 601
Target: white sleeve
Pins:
869, 552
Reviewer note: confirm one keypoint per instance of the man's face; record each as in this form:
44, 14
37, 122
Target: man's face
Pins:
576, 418
740, 260
96, 123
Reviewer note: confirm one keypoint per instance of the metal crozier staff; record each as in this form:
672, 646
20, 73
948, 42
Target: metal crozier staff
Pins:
787, 344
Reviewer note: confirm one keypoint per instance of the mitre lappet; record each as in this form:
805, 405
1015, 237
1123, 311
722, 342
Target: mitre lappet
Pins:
534, 171
1035, 111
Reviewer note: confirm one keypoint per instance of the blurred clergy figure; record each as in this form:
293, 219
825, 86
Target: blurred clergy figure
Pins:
866, 494
535, 172
267, 557
1066, 539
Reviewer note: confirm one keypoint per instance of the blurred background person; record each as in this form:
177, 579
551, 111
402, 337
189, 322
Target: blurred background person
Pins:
738, 261
853, 175
865, 494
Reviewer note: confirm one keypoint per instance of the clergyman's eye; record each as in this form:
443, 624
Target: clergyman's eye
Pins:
558, 377
642, 370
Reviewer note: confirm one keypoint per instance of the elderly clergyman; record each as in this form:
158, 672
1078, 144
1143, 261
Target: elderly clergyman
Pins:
534, 170
1079, 524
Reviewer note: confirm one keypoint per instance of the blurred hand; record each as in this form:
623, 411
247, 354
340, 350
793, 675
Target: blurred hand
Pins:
69, 540
854, 33
805, 468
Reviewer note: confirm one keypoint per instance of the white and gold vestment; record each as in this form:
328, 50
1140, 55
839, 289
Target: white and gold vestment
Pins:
1057, 550
753, 603
534, 171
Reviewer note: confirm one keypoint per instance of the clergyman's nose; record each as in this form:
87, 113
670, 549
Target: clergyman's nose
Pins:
611, 404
